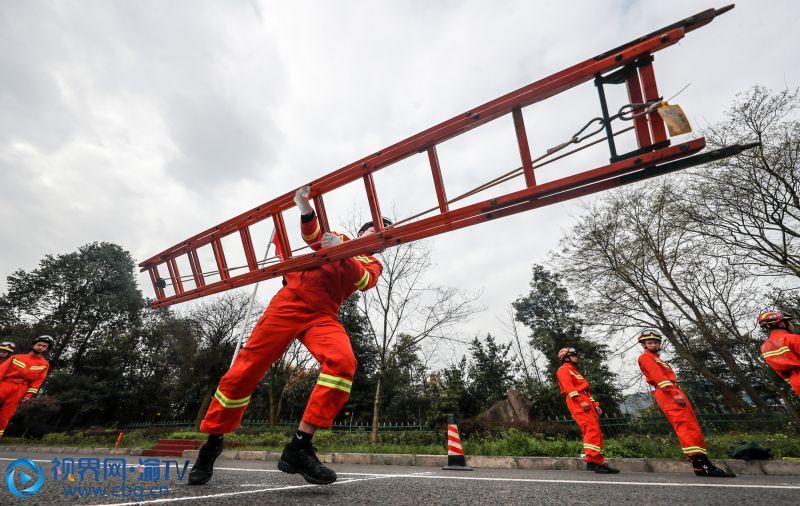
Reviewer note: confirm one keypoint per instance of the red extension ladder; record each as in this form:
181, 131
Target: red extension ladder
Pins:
630, 64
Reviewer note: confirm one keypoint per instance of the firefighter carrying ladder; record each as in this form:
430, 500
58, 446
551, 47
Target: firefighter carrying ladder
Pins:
630, 64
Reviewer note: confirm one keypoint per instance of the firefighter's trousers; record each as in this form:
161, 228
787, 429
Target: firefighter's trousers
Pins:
11, 392
287, 318
589, 422
683, 420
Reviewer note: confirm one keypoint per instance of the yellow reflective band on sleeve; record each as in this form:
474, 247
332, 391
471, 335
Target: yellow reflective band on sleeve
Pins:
779, 351
363, 259
665, 384
17, 362
694, 449
573, 394
364, 281
38, 367
578, 376
31, 390
593, 447
592, 399
329, 381
312, 235
230, 403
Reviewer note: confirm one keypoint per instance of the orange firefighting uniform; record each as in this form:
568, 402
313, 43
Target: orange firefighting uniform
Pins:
661, 376
306, 308
576, 388
782, 353
20, 378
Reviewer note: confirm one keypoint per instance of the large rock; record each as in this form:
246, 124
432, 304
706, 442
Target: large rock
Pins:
512, 411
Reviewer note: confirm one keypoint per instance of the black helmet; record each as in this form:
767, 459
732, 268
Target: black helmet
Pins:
8, 346
45, 339
386, 223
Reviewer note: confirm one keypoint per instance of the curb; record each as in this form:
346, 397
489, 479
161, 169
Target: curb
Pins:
764, 467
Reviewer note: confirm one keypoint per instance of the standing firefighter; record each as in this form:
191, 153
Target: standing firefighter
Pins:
584, 409
21, 376
676, 406
306, 309
782, 349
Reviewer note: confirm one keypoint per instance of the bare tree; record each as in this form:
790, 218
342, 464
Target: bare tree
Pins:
215, 322
639, 265
750, 203
402, 303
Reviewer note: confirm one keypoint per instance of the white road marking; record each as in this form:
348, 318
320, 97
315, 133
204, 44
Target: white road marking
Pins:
599, 482
430, 476
228, 494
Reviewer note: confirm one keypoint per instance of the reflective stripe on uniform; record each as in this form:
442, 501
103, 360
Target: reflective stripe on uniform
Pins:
665, 384
17, 362
38, 367
779, 351
663, 363
230, 403
694, 449
311, 235
31, 390
576, 375
573, 394
592, 399
329, 381
364, 281
593, 447
363, 259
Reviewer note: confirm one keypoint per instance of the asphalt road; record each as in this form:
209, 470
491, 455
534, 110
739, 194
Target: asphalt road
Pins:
257, 482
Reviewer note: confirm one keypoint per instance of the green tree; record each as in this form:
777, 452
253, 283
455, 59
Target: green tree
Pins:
75, 297
491, 372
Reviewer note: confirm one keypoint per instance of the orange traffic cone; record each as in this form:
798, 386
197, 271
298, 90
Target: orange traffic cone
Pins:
455, 454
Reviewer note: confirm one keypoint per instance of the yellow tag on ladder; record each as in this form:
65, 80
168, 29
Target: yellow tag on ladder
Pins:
674, 117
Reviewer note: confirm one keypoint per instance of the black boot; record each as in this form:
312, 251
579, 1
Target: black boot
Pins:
303, 460
601, 468
703, 467
203, 467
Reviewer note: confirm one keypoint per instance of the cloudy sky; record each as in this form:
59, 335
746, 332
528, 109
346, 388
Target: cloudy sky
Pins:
142, 123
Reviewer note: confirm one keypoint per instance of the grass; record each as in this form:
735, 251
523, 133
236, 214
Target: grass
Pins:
509, 442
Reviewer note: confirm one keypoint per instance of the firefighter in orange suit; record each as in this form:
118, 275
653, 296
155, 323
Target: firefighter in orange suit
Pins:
584, 409
782, 349
306, 308
21, 376
676, 406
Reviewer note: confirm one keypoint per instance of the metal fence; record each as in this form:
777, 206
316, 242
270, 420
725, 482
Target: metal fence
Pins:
712, 422
256, 423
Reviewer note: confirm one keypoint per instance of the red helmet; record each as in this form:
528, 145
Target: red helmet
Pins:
565, 352
649, 334
768, 320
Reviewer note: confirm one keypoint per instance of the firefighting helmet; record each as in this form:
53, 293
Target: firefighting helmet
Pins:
45, 339
365, 226
768, 320
8, 346
649, 334
565, 352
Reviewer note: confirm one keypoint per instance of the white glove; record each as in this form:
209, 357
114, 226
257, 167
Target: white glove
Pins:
330, 240
301, 199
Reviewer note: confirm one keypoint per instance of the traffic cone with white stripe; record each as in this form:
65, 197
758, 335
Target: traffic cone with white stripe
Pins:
455, 454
